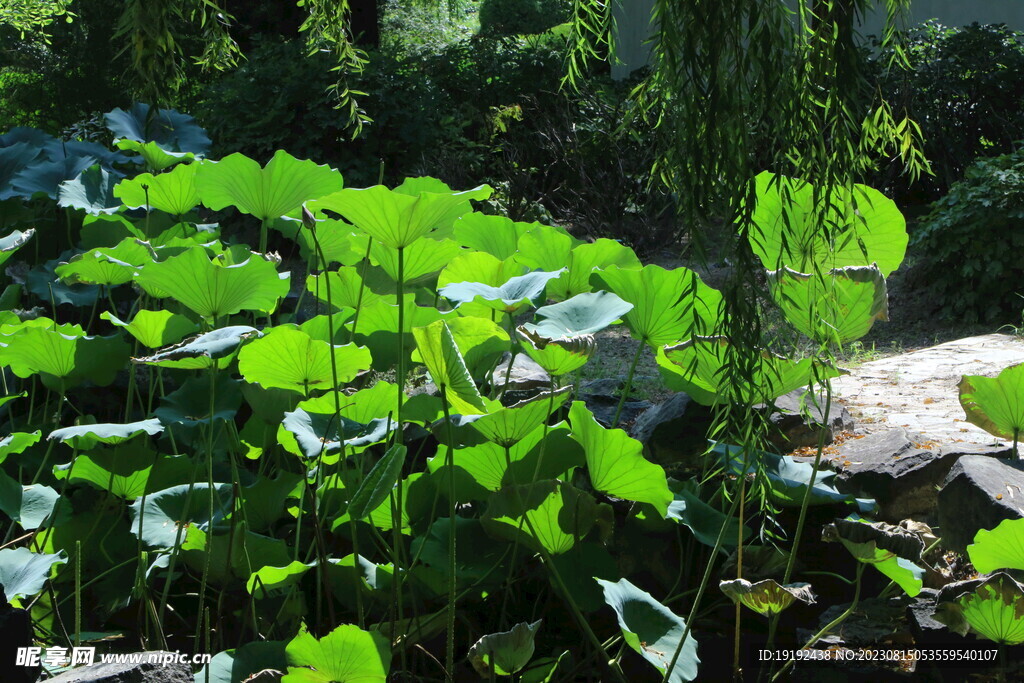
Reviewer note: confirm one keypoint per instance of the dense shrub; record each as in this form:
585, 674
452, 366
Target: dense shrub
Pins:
965, 87
971, 242
509, 17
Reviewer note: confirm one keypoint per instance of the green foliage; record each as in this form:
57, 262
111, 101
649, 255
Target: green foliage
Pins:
510, 17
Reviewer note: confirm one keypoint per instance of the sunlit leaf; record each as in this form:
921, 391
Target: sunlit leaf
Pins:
288, 358
447, 369
173, 192
345, 655
23, 573
506, 652
993, 403
999, 548
155, 328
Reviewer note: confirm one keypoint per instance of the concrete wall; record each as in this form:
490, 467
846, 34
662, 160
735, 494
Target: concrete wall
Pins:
633, 23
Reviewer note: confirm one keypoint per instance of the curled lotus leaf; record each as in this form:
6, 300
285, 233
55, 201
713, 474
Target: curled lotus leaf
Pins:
169, 128
85, 437
991, 606
155, 157
508, 426
993, 403
16, 443
768, 596
583, 314
202, 350
884, 547
506, 652
319, 434
23, 573
514, 294
558, 356
14, 241
999, 548
92, 191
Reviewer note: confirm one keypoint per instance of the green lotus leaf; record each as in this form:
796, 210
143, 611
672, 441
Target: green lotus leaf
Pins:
42, 281
557, 356
241, 664
347, 285
267, 578
318, 434
42, 177
168, 128
85, 437
615, 463
319, 327
471, 568
992, 607
283, 185
345, 655
703, 520
508, 426
481, 343
767, 597
107, 231
418, 495
32, 506
365, 422
12, 242
993, 403
14, 158
161, 514
543, 670
419, 259
559, 514
397, 219
698, 367
63, 360
586, 313
668, 305
999, 548
110, 266
652, 630
23, 573
447, 369
478, 266
190, 404
837, 307
787, 478
545, 248
338, 241
153, 155
584, 259
887, 548
211, 288
203, 350
92, 191
16, 443
265, 500
231, 556
496, 236
377, 486
865, 227
378, 329
288, 358
127, 471
155, 328
511, 296
173, 192
506, 652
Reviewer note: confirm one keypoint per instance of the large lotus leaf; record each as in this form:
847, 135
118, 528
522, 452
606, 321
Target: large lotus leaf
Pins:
419, 259
338, 241
418, 496
616, 464
155, 328
283, 185
480, 341
110, 266
999, 548
545, 248
154, 157
508, 426
68, 358
377, 486
320, 327
506, 652
398, 219
23, 573
264, 501
162, 514
652, 630
85, 437
471, 568
231, 555
345, 655
668, 305
557, 356
107, 231
378, 329
14, 158
32, 506
173, 192
888, 549
992, 607
496, 236
12, 242
478, 266
203, 350
269, 578
365, 421
319, 434
584, 260
349, 289
863, 227
43, 177
168, 128
699, 367
213, 289
703, 520
582, 314
558, 513
767, 597
43, 282
288, 358
447, 369
994, 403
92, 191
127, 471
189, 404
241, 664
836, 307
511, 296
16, 443
787, 478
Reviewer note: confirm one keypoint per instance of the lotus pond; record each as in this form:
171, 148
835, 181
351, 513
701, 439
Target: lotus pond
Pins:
314, 463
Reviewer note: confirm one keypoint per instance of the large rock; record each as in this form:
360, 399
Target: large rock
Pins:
526, 380
674, 431
978, 493
602, 398
150, 670
798, 421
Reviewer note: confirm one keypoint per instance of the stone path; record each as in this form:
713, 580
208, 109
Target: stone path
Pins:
918, 390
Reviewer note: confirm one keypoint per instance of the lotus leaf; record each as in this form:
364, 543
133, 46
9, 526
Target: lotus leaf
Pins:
419, 259
231, 555
481, 343
378, 330
558, 513
495, 236
288, 358
268, 578
16, 443
584, 260
652, 630
477, 266
44, 177
203, 350
191, 403
338, 241
583, 314
471, 568
703, 520
23, 573
992, 606
70, 359
504, 653
92, 190
12, 242
557, 356
168, 128
127, 471
32, 506
767, 597
173, 192
85, 437
545, 248
14, 158
999, 548
110, 266
154, 157
889, 549
345, 655
365, 422
243, 663
163, 513
508, 426
447, 369
43, 282
993, 403
511, 296
377, 486
346, 287
155, 328
211, 288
